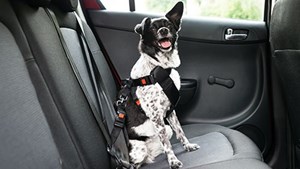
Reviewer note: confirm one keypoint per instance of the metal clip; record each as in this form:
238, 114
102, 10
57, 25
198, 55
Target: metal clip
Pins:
122, 100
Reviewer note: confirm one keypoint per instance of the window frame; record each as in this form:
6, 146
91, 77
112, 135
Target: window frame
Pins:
266, 14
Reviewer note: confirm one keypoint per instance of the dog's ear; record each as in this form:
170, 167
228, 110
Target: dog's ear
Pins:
140, 28
175, 14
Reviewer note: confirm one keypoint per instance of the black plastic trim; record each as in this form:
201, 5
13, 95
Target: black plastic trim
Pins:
212, 29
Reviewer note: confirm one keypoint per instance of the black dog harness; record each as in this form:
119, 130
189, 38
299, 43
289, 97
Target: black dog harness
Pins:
160, 76
127, 96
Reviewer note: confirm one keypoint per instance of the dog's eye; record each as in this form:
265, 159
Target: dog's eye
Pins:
153, 28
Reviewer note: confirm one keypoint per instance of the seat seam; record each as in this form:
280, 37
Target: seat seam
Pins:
233, 148
29, 60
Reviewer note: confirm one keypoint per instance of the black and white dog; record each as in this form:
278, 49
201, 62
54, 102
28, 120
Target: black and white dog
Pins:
158, 47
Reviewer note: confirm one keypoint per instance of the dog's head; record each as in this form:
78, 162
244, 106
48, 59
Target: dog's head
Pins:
160, 34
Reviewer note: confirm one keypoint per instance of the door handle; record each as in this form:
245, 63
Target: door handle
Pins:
229, 83
230, 35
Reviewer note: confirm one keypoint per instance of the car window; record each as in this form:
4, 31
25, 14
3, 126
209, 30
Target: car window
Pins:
116, 5
235, 9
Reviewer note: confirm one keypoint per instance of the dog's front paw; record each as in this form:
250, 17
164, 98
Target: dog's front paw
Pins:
175, 163
191, 147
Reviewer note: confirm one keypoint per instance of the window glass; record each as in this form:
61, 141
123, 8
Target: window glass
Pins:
116, 5
236, 9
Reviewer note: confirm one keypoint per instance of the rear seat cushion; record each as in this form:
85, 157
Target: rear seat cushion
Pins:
234, 164
217, 144
242, 146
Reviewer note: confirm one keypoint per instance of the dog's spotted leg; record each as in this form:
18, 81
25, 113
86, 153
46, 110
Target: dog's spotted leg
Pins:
138, 153
160, 126
175, 125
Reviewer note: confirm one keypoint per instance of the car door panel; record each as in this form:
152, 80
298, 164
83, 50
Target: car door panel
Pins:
208, 64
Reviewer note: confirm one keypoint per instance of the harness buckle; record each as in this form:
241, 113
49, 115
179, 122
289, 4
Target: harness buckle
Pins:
147, 80
152, 79
120, 119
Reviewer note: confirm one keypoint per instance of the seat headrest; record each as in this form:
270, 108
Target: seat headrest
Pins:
66, 5
39, 3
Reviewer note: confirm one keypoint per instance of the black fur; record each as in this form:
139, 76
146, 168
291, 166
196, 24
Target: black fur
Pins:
158, 41
175, 15
135, 117
150, 35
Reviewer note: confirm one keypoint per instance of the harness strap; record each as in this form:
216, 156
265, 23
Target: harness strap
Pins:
147, 80
160, 76
157, 75
120, 104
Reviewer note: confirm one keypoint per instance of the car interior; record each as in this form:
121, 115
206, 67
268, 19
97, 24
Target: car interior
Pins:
63, 61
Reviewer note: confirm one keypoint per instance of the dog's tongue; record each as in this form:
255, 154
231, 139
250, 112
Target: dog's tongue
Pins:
165, 44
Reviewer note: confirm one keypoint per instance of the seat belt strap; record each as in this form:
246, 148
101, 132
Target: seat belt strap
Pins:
78, 77
99, 84
120, 163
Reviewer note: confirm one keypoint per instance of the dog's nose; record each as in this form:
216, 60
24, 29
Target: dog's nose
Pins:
163, 31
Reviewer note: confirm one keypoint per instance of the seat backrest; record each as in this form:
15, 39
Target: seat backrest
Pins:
61, 82
67, 21
26, 138
285, 45
47, 121
65, 15
284, 25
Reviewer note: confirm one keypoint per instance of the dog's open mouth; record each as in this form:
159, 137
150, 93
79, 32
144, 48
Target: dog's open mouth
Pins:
165, 43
